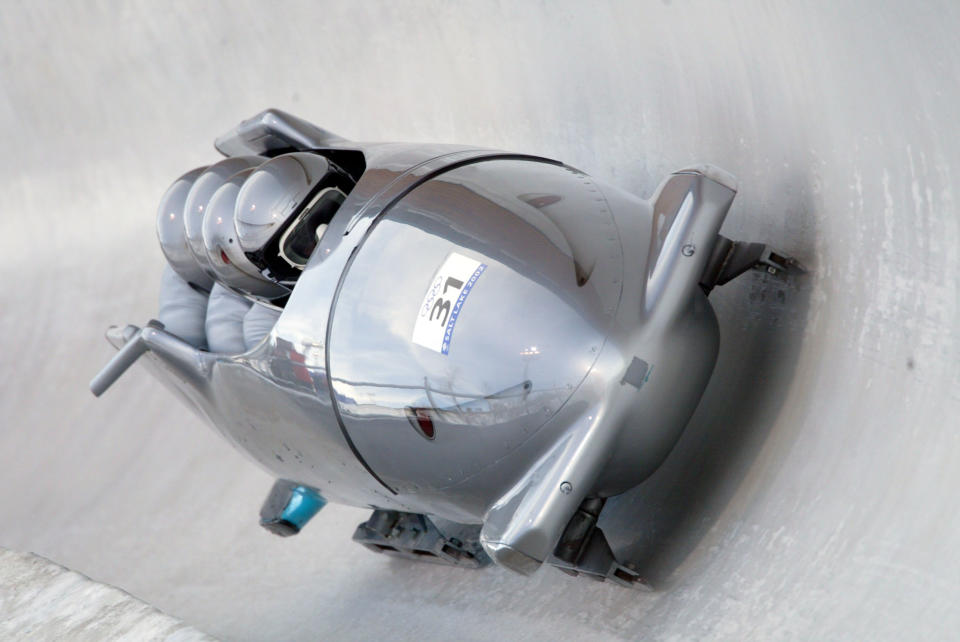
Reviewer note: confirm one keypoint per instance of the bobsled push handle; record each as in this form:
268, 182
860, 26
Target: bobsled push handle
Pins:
189, 364
132, 350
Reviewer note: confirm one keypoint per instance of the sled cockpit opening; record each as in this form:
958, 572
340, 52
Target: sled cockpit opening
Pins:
283, 209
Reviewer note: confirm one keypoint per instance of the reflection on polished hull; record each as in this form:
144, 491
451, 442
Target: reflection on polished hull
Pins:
483, 346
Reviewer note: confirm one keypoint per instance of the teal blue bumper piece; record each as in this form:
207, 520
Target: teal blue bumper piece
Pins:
289, 507
304, 503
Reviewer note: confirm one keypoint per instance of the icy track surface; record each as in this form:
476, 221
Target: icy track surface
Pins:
40, 600
814, 494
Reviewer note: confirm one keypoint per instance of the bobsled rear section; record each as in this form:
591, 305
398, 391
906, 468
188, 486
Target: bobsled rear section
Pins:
635, 401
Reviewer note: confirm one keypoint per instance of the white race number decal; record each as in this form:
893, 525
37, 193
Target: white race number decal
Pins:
443, 302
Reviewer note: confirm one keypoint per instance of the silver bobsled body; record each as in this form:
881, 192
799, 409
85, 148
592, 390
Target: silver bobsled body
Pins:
481, 337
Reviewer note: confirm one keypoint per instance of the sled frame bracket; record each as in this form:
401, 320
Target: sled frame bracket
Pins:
730, 259
414, 536
583, 550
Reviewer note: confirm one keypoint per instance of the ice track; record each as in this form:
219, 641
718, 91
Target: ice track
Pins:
814, 494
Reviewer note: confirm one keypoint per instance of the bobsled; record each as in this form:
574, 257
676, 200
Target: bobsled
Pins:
481, 346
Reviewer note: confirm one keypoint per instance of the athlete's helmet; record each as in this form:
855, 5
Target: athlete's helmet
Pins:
283, 208
230, 265
171, 233
203, 188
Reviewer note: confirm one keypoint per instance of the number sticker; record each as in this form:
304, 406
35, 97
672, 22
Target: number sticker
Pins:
444, 300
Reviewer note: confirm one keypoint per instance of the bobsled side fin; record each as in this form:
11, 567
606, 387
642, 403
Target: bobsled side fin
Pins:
688, 210
521, 530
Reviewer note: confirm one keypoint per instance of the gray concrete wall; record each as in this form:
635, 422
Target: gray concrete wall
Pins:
813, 494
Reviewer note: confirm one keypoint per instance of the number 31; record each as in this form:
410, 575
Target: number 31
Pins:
443, 305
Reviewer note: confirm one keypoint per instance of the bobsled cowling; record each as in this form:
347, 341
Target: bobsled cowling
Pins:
479, 336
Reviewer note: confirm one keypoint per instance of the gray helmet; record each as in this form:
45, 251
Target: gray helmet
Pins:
171, 233
283, 207
230, 265
198, 197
